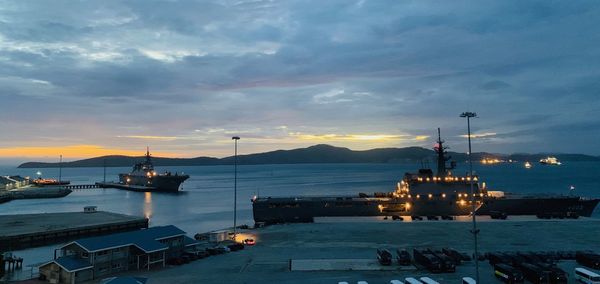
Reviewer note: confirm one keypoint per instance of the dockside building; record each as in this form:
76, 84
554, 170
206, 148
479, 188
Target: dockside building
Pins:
98, 257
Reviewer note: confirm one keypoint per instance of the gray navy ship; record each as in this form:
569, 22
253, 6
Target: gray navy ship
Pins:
423, 193
143, 177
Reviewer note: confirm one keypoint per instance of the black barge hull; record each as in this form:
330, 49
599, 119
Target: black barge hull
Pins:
305, 209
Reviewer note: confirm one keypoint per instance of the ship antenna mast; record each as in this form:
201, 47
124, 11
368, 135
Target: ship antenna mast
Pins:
441, 158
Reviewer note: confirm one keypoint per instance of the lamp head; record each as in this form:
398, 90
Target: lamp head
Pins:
235, 138
468, 114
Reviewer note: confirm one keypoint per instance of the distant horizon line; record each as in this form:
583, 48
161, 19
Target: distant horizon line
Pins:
31, 159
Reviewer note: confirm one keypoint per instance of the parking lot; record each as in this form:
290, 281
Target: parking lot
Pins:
269, 260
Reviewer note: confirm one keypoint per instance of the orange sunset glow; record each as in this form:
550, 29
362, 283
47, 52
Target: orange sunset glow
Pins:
73, 151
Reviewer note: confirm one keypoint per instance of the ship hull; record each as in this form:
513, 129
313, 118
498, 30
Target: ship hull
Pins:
161, 183
539, 205
285, 210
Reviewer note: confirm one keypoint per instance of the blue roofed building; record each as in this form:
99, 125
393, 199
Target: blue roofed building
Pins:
97, 257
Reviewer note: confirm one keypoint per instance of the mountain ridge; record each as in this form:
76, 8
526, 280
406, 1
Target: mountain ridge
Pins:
320, 153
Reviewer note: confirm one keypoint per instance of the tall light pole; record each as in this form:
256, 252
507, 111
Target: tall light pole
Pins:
474, 231
235, 138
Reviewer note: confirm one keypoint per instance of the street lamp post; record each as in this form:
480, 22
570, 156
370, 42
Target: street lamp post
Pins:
235, 161
474, 231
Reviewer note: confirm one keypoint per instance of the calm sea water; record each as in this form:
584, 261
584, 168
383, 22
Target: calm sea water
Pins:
206, 202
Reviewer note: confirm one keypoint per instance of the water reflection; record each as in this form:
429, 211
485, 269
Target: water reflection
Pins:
148, 205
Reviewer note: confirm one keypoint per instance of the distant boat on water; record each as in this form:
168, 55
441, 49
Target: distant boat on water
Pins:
528, 165
553, 161
144, 178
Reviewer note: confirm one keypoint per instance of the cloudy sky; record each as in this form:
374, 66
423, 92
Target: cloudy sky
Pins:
86, 78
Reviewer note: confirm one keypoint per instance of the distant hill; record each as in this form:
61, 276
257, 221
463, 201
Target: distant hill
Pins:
315, 154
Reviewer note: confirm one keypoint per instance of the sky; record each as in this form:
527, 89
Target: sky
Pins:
89, 78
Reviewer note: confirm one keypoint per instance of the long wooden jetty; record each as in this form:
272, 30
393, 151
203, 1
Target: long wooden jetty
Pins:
30, 230
80, 186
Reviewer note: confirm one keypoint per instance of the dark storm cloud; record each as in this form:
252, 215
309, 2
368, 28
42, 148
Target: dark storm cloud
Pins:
167, 68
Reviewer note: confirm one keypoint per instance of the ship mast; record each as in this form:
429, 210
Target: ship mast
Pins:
440, 149
148, 163
148, 155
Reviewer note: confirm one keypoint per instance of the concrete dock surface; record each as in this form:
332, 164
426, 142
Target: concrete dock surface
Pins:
269, 260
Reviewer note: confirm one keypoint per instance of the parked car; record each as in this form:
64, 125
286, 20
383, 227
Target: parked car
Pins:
403, 257
186, 258
175, 261
498, 215
396, 217
191, 256
235, 247
384, 256
222, 249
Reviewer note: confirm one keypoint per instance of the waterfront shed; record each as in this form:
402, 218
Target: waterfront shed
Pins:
105, 255
7, 183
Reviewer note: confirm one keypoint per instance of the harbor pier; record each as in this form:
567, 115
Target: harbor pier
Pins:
31, 230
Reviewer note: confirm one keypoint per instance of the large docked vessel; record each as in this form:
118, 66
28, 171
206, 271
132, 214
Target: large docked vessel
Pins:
424, 193
553, 161
143, 177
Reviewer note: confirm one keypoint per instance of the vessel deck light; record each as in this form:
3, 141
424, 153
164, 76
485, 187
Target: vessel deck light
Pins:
418, 196
443, 195
430, 195
407, 206
409, 196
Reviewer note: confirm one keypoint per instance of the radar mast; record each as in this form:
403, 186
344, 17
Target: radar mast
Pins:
440, 149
